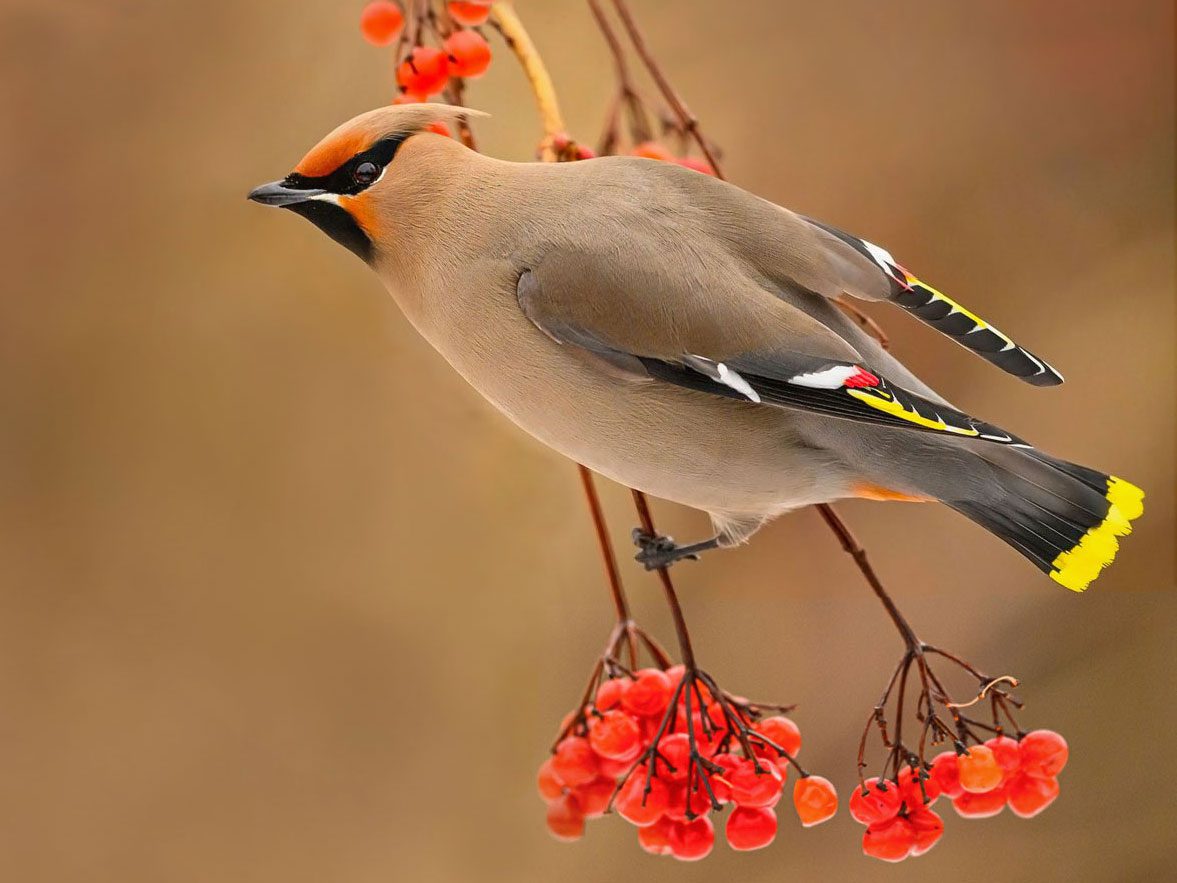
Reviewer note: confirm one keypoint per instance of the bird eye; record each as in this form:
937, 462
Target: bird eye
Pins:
366, 173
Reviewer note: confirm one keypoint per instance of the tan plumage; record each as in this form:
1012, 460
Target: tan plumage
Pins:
678, 334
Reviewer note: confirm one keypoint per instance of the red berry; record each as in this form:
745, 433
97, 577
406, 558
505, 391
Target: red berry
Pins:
751, 787
610, 692
750, 827
469, 53
691, 841
815, 800
1006, 752
928, 827
470, 14
675, 760
381, 22
574, 762
565, 820
695, 165
913, 795
638, 807
881, 802
1043, 753
593, 798
655, 838
549, 784
649, 694
424, 72
979, 771
678, 807
615, 735
409, 98
971, 805
892, 840
946, 774
583, 152
439, 128
652, 150
783, 732
1029, 795
614, 769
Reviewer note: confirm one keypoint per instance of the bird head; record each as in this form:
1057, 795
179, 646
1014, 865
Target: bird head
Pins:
342, 184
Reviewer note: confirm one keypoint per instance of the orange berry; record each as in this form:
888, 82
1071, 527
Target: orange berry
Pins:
1007, 753
610, 692
409, 98
750, 827
1043, 753
913, 795
691, 841
695, 165
549, 784
381, 22
946, 774
615, 735
928, 827
593, 798
565, 820
652, 150
675, 760
439, 128
753, 784
979, 770
424, 72
881, 801
655, 838
649, 694
636, 805
1029, 795
891, 841
574, 762
971, 805
782, 731
815, 800
682, 806
470, 14
469, 54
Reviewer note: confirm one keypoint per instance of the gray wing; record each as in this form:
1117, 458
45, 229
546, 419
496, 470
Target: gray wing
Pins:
803, 365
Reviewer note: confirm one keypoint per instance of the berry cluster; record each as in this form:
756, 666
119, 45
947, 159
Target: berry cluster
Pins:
664, 749
427, 70
979, 781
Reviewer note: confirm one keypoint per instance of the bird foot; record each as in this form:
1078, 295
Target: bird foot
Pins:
656, 552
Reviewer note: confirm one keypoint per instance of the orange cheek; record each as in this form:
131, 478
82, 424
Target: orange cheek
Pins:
364, 212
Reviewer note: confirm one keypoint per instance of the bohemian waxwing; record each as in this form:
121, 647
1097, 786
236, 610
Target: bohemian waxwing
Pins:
679, 335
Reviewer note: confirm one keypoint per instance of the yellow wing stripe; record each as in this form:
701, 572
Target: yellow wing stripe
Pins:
957, 308
892, 407
1078, 567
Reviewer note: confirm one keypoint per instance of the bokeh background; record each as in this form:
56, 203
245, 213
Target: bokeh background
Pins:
281, 599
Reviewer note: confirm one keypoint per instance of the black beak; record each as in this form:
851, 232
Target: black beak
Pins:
278, 194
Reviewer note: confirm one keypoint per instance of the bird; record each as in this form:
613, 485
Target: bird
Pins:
682, 336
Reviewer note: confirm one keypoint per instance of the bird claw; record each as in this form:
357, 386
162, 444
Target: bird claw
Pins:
657, 552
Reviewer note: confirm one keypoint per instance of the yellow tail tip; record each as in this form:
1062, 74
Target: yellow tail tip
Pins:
1078, 568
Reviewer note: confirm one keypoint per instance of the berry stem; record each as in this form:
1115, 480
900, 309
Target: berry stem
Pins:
680, 624
608, 557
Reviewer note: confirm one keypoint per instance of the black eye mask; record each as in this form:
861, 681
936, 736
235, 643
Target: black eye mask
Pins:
343, 181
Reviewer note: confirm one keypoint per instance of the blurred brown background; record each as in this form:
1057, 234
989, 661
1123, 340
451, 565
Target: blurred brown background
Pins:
283, 600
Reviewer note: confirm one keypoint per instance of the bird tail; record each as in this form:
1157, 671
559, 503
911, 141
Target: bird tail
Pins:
1065, 518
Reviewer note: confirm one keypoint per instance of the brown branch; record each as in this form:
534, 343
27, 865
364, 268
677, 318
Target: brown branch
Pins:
687, 119
680, 624
607, 556
505, 19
